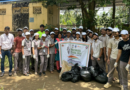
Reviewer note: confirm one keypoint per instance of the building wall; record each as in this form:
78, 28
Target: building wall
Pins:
38, 18
6, 20
53, 15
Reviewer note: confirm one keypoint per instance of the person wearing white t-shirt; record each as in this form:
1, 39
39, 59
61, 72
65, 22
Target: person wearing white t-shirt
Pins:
96, 52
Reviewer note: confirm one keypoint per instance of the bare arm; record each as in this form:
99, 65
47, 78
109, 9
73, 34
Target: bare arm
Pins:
100, 52
129, 61
33, 50
23, 50
109, 53
118, 55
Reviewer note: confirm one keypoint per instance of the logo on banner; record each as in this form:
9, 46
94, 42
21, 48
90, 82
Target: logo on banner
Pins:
73, 57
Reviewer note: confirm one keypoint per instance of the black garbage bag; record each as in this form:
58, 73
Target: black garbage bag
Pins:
76, 78
102, 78
94, 71
66, 76
75, 69
85, 74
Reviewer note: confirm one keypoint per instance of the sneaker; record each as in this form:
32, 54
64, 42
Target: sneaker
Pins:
2, 74
35, 73
40, 74
44, 73
107, 85
15, 74
122, 87
10, 73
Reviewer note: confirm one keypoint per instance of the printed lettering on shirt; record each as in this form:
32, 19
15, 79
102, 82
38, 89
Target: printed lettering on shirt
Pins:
126, 47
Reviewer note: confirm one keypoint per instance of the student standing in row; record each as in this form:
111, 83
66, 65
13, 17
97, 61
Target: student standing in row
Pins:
18, 60
6, 48
47, 34
35, 44
64, 33
43, 52
84, 37
73, 33
68, 38
41, 31
26, 51
124, 58
57, 57
78, 37
25, 29
96, 52
52, 52
112, 56
80, 30
56, 33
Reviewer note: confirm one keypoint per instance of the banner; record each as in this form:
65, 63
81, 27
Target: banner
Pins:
74, 52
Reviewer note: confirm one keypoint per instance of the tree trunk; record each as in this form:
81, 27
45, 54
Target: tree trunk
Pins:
113, 15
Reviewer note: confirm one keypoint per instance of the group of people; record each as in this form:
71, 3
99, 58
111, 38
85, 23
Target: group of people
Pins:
111, 49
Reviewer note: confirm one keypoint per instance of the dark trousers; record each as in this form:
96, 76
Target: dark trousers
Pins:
9, 55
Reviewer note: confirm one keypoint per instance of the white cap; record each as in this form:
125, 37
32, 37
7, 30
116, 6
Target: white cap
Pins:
56, 29
68, 31
95, 34
19, 29
124, 32
84, 33
73, 28
27, 33
89, 30
80, 27
115, 29
36, 34
30, 30
64, 28
52, 33
103, 28
110, 28
78, 33
43, 35
25, 27
46, 29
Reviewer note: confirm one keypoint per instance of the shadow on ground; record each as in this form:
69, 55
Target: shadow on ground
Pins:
48, 82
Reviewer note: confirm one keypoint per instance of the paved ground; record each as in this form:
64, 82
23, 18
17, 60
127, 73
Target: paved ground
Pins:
48, 82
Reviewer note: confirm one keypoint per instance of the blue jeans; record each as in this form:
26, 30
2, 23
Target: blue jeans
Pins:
9, 55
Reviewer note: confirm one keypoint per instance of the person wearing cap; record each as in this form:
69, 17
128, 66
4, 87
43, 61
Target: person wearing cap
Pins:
90, 40
123, 57
18, 61
47, 34
56, 30
41, 31
68, 38
25, 29
84, 37
64, 33
32, 38
43, 48
103, 38
6, 48
80, 30
32, 34
96, 52
52, 52
78, 37
35, 44
57, 56
88, 31
73, 33
26, 52
112, 56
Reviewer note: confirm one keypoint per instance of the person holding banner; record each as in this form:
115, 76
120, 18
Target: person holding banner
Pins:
78, 37
96, 52
43, 48
35, 44
68, 38
57, 57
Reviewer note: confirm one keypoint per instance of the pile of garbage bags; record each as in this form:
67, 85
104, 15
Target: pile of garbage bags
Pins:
86, 74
